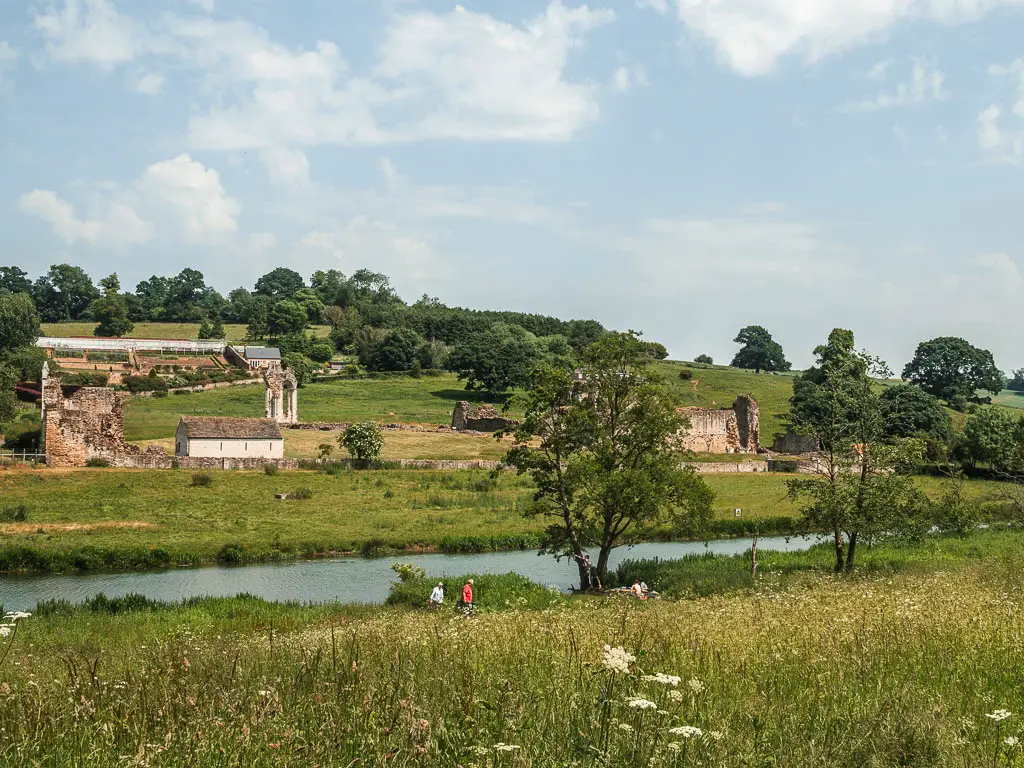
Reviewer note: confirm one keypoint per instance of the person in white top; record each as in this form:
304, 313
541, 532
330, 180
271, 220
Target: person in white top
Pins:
437, 596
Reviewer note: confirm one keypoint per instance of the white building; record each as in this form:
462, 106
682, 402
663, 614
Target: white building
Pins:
261, 357
222, 438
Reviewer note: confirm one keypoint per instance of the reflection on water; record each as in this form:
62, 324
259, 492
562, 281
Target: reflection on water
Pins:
349, 580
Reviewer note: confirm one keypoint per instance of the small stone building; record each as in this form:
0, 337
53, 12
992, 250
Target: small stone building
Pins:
484, 418
223, 438
724, 430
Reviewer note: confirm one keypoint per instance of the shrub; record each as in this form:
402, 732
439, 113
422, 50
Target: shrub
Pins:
491, 592
301, 494
363, 440
321, 353
231, 554
18, 514
704, 360
201, 480
685, 374
97, 462
270, 470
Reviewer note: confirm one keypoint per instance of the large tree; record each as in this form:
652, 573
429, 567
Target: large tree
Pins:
760, 351
110, 311
64, 293
604, 453
1016, 382
989, 438
499, 359
396, 351
286, 317
909, 411
861, 487
19, 328
281, 283
953, 370
14, 280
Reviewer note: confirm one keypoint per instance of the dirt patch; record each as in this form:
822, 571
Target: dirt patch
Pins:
14, 528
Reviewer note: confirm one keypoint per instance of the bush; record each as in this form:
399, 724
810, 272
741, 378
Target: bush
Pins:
97, 462
685, 374
201, 480
704, 360
270, 470
231, 554
321, 353
301, 494
364, 440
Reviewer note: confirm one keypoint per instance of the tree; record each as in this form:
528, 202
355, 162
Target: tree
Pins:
63, 294
909, 411
286, 317
604, 453
862, 486
185, 291
281, 283
759, 351
989, 438
396, 351
1016, 382
363, 440
300, 365
501, 358
327, 285
311, 303
321, 353
14, 280
259, 318
110, 311
656, 350
151, 298
953, 370
19, 322
704, 360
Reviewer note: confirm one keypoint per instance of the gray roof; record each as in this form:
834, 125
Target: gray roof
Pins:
262, 353
218, 428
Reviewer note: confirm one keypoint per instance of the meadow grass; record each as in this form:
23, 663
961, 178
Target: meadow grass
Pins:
232, 332
128, 519
870, 670
1009, 398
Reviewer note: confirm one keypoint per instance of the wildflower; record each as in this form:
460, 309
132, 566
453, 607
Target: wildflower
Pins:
625, 727
686, 731
662, 711
662, 679
617, 659
1011, 741
502, 747
696, 685
15, 615
716, 735
5, 630
641, 704
999, 715
675, 695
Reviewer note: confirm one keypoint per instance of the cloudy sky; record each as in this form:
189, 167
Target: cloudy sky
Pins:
682, 167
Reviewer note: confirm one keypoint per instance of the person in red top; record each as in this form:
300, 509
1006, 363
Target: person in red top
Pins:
467, 593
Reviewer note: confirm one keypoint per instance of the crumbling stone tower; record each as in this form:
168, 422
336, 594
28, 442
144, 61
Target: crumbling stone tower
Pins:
282, 399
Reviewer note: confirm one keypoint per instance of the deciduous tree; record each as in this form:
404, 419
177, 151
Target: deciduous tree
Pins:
110, 311
760, 351
953, 370
63, 294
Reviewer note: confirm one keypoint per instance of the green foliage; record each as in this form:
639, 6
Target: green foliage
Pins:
110, 311
603, 452
909, 411
14, 280
18, 514
286, 317
953, 370
97, 463
491, 592
407, 572
300, 365
281, 283
321, 353
396, 351
685, 374
760, 351
704, 360
363, 440
64, 293
19, 322
499, 359
301, 494
270, 470
991, 437
1016, 382
201, 480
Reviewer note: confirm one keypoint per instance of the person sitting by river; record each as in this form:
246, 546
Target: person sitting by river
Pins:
638, 590
437, 596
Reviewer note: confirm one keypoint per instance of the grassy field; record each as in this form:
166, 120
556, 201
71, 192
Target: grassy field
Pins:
125, 519
1009, 398
920, 668
234, 333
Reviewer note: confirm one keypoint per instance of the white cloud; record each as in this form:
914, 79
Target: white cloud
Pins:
1001, 142
751, 36
290, 166
195, 195
364, 241
924, 85
90, 31
9, 56
659, 6
117, 226
625, 78
150, 83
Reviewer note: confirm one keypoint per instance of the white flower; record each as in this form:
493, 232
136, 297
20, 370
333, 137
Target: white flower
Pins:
1011, 741
696, 685
675, 746
662, 679
625, 727
503, 747
686, 731
17, 615
5, 630
641, 704
617, 660
675, 695
716, 735
999, 715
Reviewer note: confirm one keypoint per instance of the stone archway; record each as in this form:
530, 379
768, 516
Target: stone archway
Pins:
282, 397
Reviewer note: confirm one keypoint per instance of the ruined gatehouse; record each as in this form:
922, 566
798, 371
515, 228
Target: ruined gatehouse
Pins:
724, 430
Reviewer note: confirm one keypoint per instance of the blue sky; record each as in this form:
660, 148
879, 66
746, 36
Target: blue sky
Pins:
682, 167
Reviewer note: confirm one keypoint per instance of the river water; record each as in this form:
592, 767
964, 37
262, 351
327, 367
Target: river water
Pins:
346, 580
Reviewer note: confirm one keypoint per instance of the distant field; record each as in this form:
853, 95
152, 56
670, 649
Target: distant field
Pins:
234, 333
1009, 398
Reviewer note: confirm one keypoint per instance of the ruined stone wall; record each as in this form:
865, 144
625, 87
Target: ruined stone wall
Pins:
724, 430
86, 424
748, 421
485, 418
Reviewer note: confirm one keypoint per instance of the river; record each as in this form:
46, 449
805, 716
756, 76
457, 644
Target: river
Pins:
345, 580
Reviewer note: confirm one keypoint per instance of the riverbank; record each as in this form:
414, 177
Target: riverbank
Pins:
108, 519
896, 666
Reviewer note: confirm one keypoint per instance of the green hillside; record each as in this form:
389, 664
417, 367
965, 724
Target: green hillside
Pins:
1009, 399
430, 400
233, 333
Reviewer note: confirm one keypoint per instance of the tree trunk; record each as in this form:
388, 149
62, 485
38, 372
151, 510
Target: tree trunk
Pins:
602, 562
581, 564
840, 556
851, 551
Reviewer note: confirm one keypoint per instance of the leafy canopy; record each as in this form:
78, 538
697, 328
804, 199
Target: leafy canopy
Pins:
760, 351
363, 440
953, 370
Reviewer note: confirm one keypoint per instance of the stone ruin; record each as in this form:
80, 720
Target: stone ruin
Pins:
79, 424
484, 418
282, 400
724, 430
792, 443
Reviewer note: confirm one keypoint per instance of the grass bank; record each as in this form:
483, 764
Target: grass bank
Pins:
875, 670
133, 519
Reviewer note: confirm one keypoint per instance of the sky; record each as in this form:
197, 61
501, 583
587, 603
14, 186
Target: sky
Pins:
679, 167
